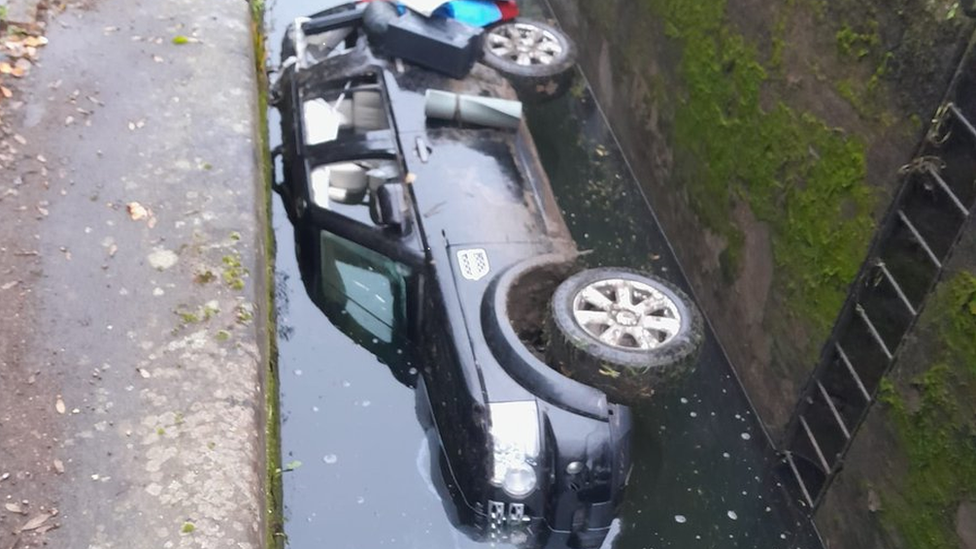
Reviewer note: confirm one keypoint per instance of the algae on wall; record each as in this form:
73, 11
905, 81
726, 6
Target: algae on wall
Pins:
768, 136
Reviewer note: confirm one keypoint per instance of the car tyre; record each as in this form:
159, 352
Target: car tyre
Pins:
626, 333
540, 66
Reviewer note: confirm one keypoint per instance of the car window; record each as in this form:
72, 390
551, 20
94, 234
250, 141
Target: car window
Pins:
372, 286
351, 107
350, 182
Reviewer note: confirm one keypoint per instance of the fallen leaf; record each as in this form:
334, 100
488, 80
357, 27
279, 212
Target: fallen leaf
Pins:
6, 92
136, 211
59, 406
35, 523
69, 120
59, 466
14, 508
144, 373
180, 40
6, 68
112, 249
9, 285
35, 41
20, 139
48, 527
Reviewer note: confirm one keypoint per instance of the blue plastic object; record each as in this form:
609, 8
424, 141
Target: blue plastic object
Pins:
478, 13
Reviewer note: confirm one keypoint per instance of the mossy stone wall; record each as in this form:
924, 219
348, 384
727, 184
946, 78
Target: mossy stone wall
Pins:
768, 137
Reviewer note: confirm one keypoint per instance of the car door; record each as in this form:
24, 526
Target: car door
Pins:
357, 242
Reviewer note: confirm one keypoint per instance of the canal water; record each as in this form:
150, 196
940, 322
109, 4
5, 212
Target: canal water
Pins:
356, 455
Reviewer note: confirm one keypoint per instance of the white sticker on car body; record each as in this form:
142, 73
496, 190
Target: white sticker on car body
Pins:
473, 263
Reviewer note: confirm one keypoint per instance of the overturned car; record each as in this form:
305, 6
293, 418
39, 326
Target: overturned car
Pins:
446, 234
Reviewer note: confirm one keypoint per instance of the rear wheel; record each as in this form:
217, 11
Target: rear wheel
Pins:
623, 332
537, 58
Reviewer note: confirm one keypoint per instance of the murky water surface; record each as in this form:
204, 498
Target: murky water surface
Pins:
360, 472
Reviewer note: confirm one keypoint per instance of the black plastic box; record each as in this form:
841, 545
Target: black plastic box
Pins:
443, 45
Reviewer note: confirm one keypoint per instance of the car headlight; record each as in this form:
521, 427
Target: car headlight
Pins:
515, 446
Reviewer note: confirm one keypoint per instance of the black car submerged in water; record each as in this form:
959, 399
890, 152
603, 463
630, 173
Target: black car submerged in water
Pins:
447, 236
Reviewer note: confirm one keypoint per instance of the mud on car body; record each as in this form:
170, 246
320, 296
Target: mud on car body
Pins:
447, 236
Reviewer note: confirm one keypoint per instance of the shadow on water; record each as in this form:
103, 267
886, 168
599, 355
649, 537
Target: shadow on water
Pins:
359, 455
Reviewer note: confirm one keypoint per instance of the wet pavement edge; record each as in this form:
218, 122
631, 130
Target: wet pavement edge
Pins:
140, 231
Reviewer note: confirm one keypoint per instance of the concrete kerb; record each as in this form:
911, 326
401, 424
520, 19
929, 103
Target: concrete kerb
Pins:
274, 499
154, 317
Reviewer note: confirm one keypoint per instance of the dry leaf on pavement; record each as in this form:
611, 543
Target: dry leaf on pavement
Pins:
35, 523
137, 211
47, 528
35, 41
15, 508
59, 406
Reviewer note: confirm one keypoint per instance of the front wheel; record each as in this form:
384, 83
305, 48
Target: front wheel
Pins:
537, 58
623, 332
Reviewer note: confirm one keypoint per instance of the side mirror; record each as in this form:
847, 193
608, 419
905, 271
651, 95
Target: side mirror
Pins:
389, 208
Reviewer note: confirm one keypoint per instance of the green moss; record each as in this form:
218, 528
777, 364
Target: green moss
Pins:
959, 332
243, 314
801, 177
779, 47
851, 43
201, 314
938, 432
867, 98
188, 317
233, 272
274, 499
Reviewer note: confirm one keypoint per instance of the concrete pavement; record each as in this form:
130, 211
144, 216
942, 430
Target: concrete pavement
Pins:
133, 284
